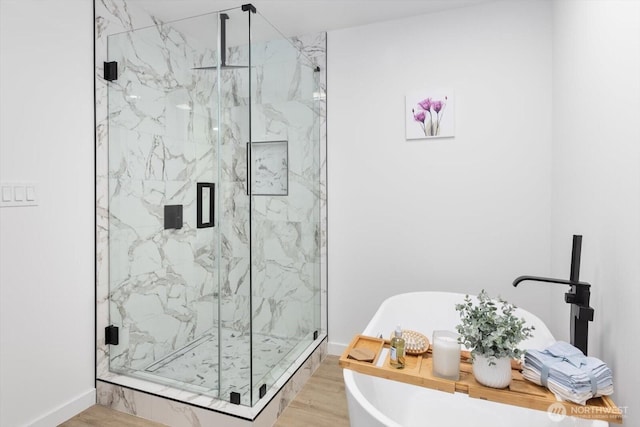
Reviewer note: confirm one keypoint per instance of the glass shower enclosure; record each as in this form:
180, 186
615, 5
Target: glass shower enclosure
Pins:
214, 204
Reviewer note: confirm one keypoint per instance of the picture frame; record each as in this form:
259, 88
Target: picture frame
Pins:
430, 114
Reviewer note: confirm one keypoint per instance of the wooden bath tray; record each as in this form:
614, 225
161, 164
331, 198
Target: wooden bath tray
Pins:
523, 393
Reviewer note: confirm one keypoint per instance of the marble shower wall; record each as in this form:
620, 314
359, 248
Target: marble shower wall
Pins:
287, 229
164, 283
287, 110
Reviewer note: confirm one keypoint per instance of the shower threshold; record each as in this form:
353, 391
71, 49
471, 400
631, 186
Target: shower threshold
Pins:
145, 394
194, 367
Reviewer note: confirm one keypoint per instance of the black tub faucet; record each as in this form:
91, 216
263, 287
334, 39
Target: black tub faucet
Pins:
578, 297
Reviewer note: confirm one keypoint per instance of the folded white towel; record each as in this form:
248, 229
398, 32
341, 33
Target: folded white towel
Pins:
568, 373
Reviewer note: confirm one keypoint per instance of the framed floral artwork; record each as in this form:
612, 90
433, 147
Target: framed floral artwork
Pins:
429, 114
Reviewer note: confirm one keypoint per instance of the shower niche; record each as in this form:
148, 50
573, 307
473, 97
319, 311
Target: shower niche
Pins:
211, 206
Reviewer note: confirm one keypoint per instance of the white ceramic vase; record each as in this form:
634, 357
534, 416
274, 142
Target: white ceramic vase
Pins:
496, 376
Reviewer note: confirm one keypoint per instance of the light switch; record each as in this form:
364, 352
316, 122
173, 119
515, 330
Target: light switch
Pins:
18, 193
31, 193
7, 194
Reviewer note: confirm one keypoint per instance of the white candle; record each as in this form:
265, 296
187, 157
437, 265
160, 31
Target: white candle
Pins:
446, 355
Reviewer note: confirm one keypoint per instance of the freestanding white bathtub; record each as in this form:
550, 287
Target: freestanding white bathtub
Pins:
375, 402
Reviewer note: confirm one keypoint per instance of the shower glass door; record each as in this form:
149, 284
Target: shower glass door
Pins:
164, 234
285, 204
235, 253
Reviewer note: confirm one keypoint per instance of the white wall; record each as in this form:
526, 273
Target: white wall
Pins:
596, 175
456, 214
47, 252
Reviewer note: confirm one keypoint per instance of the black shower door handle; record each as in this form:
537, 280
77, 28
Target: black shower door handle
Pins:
205, 213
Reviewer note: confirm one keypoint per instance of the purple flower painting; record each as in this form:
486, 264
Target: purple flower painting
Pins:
430, 116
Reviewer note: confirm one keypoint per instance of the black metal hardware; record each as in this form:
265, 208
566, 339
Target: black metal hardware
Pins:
111, 335
110, 71
212, 191
315, 335
223, 39
578, 297
250, 7
248, 157
235, 398
262, 391
317, 69
576, 251
172, 217
223, 48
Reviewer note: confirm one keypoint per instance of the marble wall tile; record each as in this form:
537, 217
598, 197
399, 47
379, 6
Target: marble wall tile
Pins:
284, 278
159, 142
270, 168
314, 47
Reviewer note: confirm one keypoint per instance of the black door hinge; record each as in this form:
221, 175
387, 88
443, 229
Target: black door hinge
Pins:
111, 335
111, 71
262, 391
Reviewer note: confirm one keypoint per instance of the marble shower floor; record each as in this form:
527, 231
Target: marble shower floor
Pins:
195, 366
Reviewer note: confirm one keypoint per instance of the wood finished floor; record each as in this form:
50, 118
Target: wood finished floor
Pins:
321, 402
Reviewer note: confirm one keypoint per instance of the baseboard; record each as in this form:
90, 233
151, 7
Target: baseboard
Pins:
66, 411
335, 348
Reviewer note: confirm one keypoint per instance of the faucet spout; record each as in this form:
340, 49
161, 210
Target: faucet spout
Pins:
578, 297
543, 279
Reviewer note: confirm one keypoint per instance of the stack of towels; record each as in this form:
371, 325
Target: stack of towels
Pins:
568, 373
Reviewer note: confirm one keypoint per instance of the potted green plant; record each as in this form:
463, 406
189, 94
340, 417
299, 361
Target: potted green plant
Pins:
492, 332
